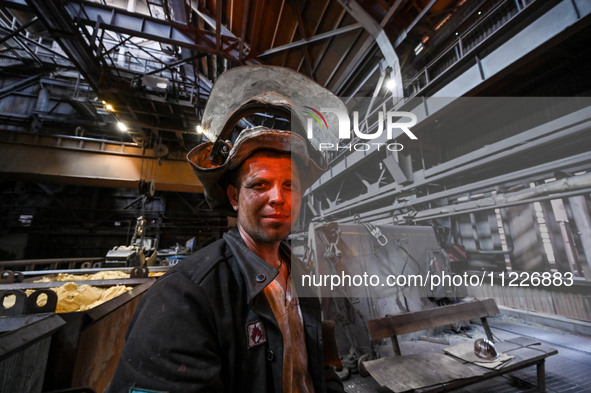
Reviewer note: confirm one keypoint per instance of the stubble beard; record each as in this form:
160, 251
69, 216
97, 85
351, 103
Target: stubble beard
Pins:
264, 234
270, 235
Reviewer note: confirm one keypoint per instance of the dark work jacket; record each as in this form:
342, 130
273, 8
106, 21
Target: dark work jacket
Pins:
190, 330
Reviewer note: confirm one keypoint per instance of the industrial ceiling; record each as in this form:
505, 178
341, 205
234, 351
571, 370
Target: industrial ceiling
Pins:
150, 64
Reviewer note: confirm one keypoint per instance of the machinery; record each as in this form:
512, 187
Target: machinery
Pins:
362, 249
135, 253
175, 254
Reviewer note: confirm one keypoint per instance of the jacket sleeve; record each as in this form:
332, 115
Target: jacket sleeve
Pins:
170, 344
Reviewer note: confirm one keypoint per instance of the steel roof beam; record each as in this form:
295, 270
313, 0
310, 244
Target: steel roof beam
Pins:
314, 31
121, 21
94, 163
37, 44
376, 30
296, 9
243, 32
320, 57
18, 86
16, 38
58, 22
18, 31
276, 29
218, 24
352, 65
403, 35
309, 40
180, 13
210, 21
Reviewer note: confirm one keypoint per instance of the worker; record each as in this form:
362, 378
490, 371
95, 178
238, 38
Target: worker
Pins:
227, 318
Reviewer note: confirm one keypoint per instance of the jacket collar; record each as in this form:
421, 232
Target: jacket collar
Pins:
256, 272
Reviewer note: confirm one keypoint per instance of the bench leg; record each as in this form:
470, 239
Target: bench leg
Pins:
541, 369
486, 327
395, 345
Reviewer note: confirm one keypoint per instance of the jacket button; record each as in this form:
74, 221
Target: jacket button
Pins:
260, 277
270, 355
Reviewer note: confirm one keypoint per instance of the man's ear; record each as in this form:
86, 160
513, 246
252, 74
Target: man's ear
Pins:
232, 193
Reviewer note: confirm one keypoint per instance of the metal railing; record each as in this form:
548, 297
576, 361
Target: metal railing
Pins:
466, 44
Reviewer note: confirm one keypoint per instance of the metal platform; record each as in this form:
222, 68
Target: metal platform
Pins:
566, 372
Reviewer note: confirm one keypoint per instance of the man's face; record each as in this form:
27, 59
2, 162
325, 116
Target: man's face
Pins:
267, 196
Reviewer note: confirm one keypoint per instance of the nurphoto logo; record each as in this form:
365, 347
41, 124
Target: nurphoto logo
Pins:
390, 121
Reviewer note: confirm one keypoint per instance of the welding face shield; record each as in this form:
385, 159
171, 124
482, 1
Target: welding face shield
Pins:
279, 93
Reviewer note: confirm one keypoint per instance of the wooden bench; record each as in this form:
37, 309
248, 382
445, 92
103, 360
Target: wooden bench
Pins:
439, 371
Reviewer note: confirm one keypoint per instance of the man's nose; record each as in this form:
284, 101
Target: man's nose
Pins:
276, 194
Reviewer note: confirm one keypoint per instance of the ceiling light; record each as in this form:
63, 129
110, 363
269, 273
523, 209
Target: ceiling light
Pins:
391, 84
121, 126
442, 22
419, 48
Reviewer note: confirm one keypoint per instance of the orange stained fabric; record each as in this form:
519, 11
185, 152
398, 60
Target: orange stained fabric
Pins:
286, 308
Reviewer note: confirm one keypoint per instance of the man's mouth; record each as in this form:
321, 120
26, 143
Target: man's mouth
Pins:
276, 216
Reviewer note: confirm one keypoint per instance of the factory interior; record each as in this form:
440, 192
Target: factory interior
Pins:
489, 185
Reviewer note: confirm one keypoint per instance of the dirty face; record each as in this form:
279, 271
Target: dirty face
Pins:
267, 195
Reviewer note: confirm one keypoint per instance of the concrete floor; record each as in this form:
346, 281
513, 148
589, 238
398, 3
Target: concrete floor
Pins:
568, 371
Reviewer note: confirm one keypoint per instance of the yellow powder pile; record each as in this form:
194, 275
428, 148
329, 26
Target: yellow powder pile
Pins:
104, 275
72, 297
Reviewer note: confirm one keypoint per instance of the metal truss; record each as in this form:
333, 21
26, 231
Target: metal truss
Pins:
154, 60
395, 193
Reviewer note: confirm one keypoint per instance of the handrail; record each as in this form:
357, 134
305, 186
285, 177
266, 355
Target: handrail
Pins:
459, 44
459, 47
